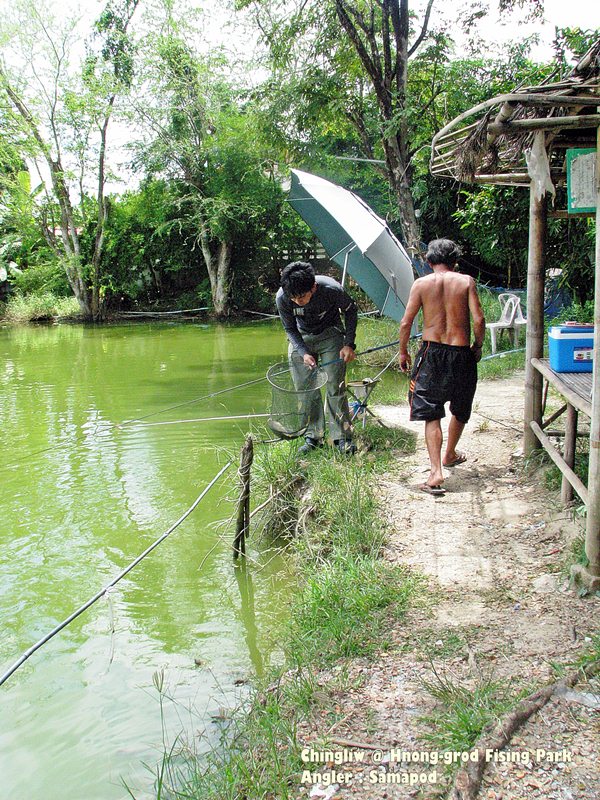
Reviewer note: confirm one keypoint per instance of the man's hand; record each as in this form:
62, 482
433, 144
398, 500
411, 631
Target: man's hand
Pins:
405, 362
309, 361
477, 350
347, 354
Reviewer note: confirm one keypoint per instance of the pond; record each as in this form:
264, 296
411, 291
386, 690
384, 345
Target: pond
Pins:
82, 496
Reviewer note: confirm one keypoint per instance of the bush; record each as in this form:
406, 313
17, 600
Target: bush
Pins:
576, 312
46, 277
40, 306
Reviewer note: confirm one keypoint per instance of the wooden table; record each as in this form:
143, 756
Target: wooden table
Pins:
576, 388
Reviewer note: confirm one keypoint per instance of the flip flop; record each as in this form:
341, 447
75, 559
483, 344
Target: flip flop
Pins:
436, 491
460, 459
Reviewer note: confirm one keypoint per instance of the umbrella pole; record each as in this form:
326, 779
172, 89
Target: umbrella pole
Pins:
344, 271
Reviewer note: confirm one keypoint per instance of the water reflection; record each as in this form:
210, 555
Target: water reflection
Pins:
248, 614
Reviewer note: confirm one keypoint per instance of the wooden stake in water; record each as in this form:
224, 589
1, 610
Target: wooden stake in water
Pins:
243, 512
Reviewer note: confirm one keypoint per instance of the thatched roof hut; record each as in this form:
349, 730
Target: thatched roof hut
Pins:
487, 144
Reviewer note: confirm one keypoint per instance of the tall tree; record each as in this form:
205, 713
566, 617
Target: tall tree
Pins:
201, 134
64, 112
379, 33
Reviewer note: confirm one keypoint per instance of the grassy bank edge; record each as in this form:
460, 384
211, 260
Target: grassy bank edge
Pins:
326, 514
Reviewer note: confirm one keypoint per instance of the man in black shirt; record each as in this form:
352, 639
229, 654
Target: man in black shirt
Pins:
310, 308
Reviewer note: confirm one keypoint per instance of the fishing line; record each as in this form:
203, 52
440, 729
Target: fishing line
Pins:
201, 419
240, 386
119, 425
109, 586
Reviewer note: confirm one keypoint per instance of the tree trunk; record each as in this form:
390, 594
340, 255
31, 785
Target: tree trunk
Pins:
384, 55
221, 299
78, 286
219, 272
399, 182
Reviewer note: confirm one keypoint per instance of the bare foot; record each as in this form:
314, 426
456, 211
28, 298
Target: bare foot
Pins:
454, 459
435, 478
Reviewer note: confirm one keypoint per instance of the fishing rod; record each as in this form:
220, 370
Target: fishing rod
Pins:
119, 425
110, 585
503, 353
241, 386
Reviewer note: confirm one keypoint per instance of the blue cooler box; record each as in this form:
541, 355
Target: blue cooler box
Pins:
571, 348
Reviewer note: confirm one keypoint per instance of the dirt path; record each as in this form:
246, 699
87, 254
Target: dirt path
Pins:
499, 608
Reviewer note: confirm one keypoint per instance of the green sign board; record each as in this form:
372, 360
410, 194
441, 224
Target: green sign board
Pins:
581, 179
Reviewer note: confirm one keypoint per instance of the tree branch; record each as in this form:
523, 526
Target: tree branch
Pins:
424, 27
468, 779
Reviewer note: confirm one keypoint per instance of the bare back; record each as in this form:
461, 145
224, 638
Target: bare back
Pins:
445, 297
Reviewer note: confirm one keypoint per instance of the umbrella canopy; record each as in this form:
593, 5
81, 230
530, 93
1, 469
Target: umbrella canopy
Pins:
356, 239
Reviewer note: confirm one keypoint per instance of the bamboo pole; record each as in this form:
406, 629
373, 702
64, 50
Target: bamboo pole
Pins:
565, 470
554, 416
566, 490
243, 513
530, 98
592, 530
534, 347
544, 123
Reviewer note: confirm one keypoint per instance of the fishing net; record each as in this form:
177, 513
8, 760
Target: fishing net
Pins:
292, 396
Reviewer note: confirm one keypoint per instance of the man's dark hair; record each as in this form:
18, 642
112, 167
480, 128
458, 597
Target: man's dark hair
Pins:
443, 251
297, 278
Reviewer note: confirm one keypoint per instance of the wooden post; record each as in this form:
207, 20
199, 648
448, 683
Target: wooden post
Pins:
592, 530
566, 490
590, 575
534, 346
243, 513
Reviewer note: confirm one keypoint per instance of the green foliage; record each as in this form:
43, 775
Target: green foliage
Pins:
44, 306
343, 609
570, 44
46, 277
149, 252
117, 48
576, 312
494, 222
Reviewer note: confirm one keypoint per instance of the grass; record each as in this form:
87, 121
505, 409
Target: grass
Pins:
29, 308
341, 502
259, 757
343, 610
466, 710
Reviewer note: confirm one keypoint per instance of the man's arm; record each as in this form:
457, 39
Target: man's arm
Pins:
478, 320
412, 309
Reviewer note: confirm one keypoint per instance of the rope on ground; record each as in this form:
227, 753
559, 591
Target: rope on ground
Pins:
468, 779
497, 421
109, 586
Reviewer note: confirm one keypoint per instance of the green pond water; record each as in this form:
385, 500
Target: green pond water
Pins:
81, 498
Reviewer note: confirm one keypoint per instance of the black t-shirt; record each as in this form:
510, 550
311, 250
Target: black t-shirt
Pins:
321, 312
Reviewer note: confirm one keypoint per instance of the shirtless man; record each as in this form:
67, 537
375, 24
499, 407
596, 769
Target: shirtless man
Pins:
446, 366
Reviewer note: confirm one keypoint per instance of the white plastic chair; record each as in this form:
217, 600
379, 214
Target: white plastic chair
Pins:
511, 318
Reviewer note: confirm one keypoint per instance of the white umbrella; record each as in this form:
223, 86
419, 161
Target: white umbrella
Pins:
356, 239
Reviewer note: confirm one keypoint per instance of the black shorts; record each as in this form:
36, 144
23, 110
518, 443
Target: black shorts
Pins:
442, 373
